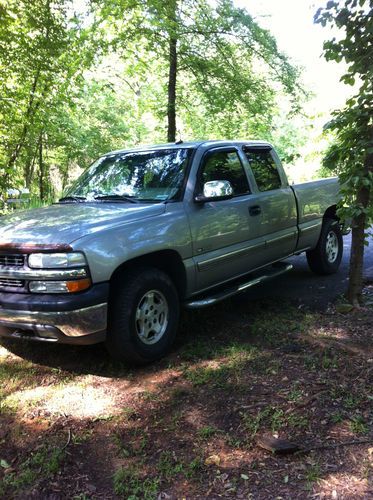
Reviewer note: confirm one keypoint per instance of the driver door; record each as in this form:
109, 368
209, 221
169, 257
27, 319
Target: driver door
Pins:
226, 234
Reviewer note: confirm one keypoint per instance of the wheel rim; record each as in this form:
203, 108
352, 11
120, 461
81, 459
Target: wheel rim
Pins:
151, 317
332, 247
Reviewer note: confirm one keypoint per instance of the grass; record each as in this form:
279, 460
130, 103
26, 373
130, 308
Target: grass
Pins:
312, 475
134, 447
168, 466
271, 419
130, 485
207, 432
358, 425
41, 465
233, 361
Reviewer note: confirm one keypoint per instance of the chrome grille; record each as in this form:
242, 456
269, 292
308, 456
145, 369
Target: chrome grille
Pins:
7, 283
12, 260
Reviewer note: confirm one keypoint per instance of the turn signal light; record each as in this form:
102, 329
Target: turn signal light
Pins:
78, 285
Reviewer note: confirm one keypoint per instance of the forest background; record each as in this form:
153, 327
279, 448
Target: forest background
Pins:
80, 78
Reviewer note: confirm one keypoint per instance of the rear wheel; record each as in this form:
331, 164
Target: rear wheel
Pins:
326, 257
143, 316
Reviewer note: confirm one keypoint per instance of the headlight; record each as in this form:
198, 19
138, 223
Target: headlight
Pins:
59, 286
56, 260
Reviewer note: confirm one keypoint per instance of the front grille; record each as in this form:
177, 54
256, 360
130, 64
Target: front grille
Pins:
11, 283
12, 260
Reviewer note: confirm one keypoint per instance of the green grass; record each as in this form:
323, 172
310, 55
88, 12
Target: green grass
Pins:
273, 419
42, 464
132, 448
168, 466
130, 485
295, 394
312, 475
232, 361
207, 432
358, 425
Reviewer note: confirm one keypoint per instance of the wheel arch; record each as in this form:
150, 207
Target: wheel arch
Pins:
331, 213
168, 261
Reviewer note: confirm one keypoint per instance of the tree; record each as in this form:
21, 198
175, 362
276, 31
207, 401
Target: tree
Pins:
351, 155
42, 54
217, 54
74, 86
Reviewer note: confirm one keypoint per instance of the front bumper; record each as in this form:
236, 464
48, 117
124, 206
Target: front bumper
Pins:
76, 319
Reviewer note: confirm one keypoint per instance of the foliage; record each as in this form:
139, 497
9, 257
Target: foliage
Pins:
227, 70
42, 47
353, 125
80, 78
351, 154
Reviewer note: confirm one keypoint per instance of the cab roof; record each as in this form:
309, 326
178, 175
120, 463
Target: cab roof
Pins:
190, 145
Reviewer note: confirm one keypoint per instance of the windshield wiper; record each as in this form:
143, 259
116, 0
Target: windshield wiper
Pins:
116, 197
76, 199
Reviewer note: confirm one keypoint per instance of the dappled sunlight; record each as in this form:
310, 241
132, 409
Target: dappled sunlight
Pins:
342, 485
71, 400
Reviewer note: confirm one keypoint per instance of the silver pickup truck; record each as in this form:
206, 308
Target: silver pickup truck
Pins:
145, 231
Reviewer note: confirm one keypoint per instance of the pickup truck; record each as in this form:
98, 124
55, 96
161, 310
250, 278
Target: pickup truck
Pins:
143, 232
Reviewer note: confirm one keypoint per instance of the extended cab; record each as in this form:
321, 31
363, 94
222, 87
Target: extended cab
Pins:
145, 231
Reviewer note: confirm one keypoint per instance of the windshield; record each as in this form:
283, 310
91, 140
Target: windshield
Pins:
149, 176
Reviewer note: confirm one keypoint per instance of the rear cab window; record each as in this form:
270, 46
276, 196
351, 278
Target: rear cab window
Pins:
263, 167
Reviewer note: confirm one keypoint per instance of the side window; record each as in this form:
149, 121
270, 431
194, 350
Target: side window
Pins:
224, 166
264, 168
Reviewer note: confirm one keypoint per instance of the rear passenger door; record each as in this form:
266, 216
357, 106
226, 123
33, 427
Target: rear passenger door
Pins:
275, 201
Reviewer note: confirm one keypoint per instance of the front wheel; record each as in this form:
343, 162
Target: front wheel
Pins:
143, 316
327, 256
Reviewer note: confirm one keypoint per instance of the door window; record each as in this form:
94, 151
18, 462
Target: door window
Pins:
264, 168
224, 166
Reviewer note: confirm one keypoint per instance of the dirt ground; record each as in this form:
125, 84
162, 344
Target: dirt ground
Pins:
74, 424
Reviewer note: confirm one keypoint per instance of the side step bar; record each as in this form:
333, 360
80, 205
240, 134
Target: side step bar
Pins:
266, 274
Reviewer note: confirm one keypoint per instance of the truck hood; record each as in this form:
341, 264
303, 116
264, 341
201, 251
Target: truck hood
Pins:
64, 223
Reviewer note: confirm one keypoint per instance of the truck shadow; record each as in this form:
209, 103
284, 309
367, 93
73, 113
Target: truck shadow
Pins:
231, 323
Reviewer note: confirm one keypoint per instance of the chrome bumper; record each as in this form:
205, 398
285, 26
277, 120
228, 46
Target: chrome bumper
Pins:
80, 326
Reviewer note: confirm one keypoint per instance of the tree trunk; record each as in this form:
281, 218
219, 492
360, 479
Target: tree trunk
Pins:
41, 168
29, 166
172, 77
355, 283
30, 111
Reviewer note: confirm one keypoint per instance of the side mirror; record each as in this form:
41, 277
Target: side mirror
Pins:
215, 191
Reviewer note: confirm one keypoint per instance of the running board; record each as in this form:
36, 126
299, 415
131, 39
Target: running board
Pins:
266, 274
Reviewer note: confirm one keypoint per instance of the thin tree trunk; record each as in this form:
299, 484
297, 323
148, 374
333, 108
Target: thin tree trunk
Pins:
29, 166
28, 115
172, 77
355, 283
41, 168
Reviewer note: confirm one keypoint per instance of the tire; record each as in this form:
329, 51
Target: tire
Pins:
143, 316
326, 257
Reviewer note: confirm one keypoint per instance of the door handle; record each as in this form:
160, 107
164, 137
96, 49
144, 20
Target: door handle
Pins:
255, 210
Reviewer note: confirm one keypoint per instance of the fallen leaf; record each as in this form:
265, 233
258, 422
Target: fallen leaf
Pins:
344, 308
4, 464
212, 460
244, 477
